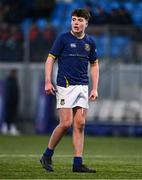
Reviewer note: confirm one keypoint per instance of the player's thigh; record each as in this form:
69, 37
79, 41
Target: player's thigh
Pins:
79, 115
65, 115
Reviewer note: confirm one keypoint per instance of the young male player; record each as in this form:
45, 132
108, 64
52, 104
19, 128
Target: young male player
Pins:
74, 51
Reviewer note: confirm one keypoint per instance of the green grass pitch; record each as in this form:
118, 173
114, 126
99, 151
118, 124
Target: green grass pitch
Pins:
113, 158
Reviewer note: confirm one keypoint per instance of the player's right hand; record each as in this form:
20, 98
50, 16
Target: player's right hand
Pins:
49, 88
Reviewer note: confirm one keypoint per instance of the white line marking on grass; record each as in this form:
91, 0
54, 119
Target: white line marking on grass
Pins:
69, 156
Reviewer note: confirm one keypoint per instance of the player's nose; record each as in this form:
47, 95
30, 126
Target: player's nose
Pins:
76, 22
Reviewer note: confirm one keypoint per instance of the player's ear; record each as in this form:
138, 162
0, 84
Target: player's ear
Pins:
86, 24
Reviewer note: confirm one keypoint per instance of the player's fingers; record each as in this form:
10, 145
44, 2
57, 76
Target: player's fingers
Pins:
92, 97
53, 88
52, 91
47, 91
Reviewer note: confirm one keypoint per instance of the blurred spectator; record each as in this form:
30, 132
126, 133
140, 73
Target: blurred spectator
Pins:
11, 43
15, 44
34, 37
4, 36
120, 16
113, 16
40, 42
11, 102
101, 16
1, 12
124, 16
41, 8
89, 7
14, 11
48, 36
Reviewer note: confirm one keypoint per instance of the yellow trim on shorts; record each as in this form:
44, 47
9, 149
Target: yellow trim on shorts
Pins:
52, 56
67, 82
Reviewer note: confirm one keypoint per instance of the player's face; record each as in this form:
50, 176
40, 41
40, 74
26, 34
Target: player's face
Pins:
78, 24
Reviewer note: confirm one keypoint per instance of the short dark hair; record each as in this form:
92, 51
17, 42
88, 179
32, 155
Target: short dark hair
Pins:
80, 12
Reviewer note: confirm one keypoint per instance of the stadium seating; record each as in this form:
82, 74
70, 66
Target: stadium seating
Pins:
108, 44
105, 110
93, 111
129, 6
102, 43
120, 46
118, 110
25, 25
133, 111
115, 111
41, 23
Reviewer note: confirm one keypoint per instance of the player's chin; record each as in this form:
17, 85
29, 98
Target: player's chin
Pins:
76, 31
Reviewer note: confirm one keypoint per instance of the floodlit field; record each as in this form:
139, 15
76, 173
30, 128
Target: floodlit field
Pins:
113, 158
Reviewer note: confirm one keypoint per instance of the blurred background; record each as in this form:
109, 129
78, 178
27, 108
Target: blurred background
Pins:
27, 31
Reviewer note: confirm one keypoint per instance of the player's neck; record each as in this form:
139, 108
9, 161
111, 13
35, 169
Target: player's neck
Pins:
78, 35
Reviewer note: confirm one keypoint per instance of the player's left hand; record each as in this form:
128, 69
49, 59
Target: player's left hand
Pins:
93, 95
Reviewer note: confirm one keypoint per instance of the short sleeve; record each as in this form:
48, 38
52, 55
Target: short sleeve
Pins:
57, 47
93, 52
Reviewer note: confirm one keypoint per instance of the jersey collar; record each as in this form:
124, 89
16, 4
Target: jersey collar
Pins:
77, 36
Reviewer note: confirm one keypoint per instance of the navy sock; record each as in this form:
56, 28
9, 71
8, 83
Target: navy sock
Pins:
49, 152
77, 161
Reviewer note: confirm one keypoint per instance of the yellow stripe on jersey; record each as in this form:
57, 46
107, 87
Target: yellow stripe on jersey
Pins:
67, 82
52, 56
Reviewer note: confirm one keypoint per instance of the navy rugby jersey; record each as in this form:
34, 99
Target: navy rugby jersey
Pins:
73, 56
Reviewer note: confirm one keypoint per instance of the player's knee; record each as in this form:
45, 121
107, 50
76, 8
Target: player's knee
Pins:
66, 125
80, 124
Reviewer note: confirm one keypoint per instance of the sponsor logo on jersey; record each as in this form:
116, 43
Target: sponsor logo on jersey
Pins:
73, 45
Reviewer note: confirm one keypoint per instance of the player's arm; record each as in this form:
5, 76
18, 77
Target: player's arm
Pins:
53, 54
94, 72
49, 88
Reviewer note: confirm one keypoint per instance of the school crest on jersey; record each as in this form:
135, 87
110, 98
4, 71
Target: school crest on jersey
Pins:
87, 47
62, 102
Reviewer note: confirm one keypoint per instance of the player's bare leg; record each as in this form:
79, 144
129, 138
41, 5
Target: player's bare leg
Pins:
65, 116
79, 115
